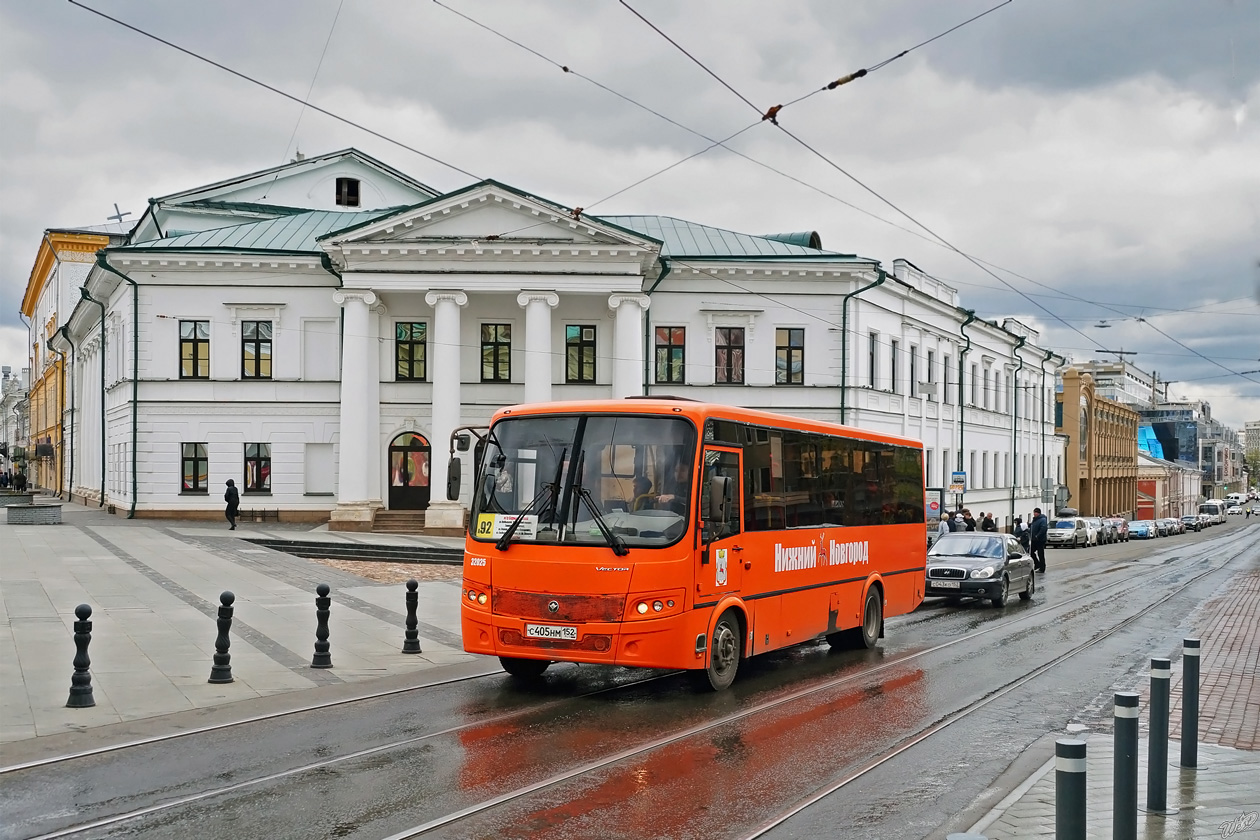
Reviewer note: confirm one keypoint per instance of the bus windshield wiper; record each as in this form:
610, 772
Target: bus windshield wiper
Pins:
615, 542
548, 490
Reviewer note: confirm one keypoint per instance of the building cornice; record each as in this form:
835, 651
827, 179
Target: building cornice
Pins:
70, 247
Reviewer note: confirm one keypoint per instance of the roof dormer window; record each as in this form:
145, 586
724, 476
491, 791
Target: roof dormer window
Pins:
347, 192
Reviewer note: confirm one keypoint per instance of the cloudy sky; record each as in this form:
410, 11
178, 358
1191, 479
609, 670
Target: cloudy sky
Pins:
1103, 159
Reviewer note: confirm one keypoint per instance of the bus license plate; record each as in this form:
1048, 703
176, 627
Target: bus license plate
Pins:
946, 584
550, 631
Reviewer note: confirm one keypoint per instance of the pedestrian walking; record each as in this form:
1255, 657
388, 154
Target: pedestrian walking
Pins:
987, 523
942, 527
1021, 533
233, 499
19, 482
968, 520
955, 522
1038, 531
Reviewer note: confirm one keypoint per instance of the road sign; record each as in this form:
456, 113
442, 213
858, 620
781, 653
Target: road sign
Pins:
958, 482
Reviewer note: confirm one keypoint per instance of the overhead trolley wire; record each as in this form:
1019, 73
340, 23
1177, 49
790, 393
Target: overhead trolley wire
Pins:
276, 90
772, 115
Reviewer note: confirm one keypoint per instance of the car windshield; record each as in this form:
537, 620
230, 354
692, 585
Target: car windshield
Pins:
966, 545
566, 476
1065, 523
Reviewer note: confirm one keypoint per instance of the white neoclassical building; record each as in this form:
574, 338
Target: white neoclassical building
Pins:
316, 331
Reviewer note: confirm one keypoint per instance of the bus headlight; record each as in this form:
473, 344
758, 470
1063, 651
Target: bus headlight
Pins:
657, 606
642, 607
481, 599
653, 605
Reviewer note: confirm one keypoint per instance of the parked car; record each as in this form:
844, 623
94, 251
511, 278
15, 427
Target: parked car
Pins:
1121, 526
1205, 519
1067, 531
1097, 530
1175, 526
1192, 522
979, 565
1142, 529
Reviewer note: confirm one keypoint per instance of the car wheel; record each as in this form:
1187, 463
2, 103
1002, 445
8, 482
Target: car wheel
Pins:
723, 653
524, 669
1031, 588
999, 600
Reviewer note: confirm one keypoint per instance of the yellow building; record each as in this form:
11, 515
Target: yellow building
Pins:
61, 265
1101, 463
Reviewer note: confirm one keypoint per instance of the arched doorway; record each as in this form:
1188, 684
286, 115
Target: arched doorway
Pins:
409, 472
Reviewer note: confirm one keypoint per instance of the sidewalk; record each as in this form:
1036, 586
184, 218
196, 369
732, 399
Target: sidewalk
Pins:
154, 588
1218, 799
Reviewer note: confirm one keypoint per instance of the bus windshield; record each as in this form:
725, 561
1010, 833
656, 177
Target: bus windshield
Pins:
586, 479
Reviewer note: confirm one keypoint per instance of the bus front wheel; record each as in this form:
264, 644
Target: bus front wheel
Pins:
526, 669
723, 653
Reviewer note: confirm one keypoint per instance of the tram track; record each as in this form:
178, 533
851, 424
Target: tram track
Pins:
1141, 576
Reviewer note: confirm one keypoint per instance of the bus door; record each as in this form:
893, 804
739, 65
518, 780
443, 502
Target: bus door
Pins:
720, 565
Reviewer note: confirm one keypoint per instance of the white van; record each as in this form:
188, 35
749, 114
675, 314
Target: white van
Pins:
1235, 499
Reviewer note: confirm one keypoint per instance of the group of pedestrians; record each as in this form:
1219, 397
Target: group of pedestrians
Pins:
1031, 534
10, 479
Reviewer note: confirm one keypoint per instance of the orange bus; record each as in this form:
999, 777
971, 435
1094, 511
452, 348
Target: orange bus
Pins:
668, 533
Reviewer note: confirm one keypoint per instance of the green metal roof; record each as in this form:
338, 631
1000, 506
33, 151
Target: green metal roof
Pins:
288, 234
687, 239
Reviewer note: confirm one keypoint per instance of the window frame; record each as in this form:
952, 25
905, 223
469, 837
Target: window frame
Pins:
412, 343
500, 348
675, 369
194, 343
894, 348
583, 348
785, 375
200, 458
729, 369
257, 345
346, 196
872, 374
259, 460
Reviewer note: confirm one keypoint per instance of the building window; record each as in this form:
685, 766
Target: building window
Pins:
947, 380
893, 348
872, 371
194, 349
975, 378
347, 192
410, 346
579, 353
931, 372
255, 349
728, 362
671, 355
987, 389
789, 357
496, 352
914, 371
258, 468
927, 467
195, 467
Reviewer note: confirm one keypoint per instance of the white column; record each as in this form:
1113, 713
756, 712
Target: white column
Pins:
444, 370
538, 360
628, 309
359, 433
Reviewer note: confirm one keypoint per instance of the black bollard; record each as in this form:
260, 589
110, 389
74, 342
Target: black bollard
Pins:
322, 658
1157, 752
81, 683
1069, 789
1124, 781
411, 638
1190, 703
221, 672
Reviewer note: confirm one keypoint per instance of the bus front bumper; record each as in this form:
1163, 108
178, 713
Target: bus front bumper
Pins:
667, 642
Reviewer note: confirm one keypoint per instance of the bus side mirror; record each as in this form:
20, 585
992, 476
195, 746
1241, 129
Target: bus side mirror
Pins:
463, 442
454, 472
720, 492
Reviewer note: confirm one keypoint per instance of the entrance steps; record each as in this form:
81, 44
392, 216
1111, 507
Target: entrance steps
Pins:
398, 522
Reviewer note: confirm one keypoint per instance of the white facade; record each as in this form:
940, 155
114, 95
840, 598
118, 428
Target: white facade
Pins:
507, 298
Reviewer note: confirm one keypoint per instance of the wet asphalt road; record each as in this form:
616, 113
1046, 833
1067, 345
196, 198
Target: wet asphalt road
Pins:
687, 764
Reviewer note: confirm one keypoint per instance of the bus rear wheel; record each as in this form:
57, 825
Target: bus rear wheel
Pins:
723, 653
525, 669
867, 635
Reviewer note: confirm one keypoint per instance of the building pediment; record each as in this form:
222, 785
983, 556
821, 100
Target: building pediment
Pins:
485, 223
